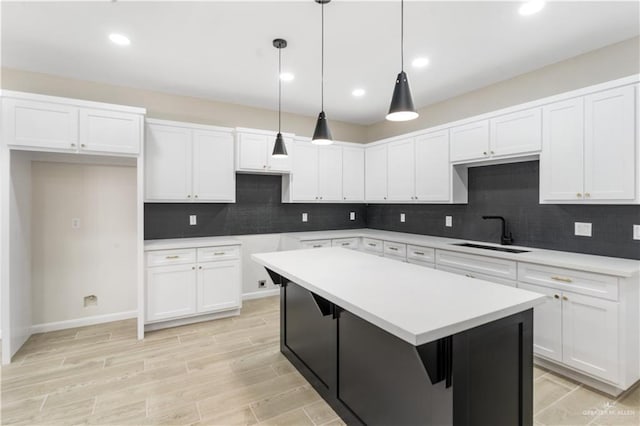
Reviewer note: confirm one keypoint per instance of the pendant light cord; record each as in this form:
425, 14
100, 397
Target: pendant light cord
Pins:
279, 88
401, 35
322, 61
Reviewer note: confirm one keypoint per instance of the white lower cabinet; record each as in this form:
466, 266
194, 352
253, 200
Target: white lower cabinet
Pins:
547, 320
478, 275
171, 292
185, 282
218, 286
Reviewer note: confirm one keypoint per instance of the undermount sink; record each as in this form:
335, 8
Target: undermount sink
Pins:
481, 246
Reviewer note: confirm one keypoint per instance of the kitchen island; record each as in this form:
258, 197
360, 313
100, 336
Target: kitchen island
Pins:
386, 342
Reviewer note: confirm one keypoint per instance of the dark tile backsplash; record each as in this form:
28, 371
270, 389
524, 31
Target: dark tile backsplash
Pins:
512, 191
509, 190
257, 210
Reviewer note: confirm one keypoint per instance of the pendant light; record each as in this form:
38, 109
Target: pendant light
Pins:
322, 134
279, 148
401, 108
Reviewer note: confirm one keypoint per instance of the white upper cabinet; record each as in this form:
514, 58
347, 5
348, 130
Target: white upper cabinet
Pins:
254, 153
432, 167
109, 132
168, 163
401, 170
589, 149
185, 162
304, 176
516, 133
610, 145
353, 174
45, 123
561, 160
214, 177
376, 173
470, 141
330, 173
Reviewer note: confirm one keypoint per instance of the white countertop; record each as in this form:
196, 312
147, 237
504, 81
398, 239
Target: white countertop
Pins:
414, 303
174, 243
583, 262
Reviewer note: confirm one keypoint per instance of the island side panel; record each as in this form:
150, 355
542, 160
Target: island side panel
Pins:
493, 373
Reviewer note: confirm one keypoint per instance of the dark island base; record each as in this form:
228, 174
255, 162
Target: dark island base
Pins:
482, 376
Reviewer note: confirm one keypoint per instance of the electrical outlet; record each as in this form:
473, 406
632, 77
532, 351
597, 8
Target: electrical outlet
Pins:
193, 219
582, 229
448, 221
75, 223
403, 218
91, 300
305, 217
636, 232
352, 215
262, 283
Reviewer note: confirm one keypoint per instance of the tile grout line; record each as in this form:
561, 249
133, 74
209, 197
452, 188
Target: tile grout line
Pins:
556, 401
43, 402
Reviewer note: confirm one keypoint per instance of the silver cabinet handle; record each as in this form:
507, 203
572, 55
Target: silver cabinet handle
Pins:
189, 196
385, 198
372, 244
484, 152
218, 253
344, 198
393, 248
492, 152
193, 267
172, 257
199, 267
562, 279
345, 244
317, 246
82, 145
73, 144
419, 253
195, 196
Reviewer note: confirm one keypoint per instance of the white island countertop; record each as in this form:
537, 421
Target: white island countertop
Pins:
414, 303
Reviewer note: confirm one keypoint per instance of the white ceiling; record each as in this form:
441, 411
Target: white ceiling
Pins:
223, 51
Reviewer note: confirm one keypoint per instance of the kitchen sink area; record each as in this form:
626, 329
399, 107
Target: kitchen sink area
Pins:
494, 248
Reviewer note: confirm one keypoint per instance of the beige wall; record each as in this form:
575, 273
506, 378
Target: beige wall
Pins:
173, 107
97, 258
611, 62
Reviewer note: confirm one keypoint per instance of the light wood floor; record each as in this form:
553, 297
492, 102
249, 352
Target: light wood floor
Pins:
221, 372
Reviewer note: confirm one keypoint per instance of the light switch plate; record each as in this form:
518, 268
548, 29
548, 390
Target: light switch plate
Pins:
193, 219
305, 217
75, 223
352, 215
448, 221
583, 229
402, 217
636, 232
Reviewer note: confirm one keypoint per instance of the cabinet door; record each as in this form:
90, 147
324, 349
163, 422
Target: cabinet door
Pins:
517, 133
167, 163
214, 177
305, 172
218, 286
561, 159
590, 335
547, 323
330, 173
470, 142
610, 145
252, 152
109, 131
40, 125
401, 170
433, 170
171, 291
353, 174
279, 164
376, 173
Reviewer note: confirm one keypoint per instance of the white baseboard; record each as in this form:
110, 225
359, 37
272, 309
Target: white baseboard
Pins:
81, 322
261, 294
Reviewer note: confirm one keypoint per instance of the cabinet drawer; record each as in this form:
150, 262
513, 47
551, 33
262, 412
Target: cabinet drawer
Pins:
370, 244
171, 257
603, 286
421, 263
422, 254
395, 249
471, 274
315, 244
351, 243
480, 264
208, 254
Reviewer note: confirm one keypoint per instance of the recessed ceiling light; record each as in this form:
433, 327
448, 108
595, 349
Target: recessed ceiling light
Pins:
358, 92
531, 7
119, 39
286, 76
420, 62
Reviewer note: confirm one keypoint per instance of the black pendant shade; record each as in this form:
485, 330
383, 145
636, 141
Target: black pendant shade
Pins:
322, 134
279, 148
401, 108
